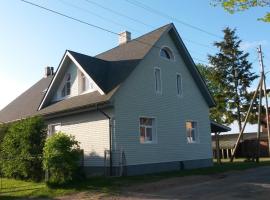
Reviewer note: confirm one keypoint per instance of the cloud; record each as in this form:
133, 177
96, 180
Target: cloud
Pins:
247, 45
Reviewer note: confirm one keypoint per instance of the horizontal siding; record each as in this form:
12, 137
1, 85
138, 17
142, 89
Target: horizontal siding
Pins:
137, 98
92, 131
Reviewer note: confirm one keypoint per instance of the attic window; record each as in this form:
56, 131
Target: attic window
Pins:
166, 53
67, 86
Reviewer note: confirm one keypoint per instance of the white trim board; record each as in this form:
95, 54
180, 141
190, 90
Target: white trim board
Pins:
67, 53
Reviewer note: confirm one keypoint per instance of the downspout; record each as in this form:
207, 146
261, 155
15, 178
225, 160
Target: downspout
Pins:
110, 135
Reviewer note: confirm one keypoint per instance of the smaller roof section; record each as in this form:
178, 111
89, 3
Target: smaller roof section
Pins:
218, 128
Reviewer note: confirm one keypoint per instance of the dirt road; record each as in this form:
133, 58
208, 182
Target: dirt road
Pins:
250, 184
239, 185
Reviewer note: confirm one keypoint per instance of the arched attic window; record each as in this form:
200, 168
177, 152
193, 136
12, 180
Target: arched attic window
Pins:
166, 53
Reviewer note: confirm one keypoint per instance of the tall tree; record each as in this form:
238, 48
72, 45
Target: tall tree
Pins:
233, 6
215, 87
232, 72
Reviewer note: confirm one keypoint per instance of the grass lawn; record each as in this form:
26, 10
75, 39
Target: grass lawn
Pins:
13, 189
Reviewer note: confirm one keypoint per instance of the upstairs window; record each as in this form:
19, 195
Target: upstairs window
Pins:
67, 86
158, 85
192, 132
147, 130
179, 85
84, 83
166, 53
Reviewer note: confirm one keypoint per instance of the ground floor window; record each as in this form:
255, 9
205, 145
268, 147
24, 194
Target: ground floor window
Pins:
147, 130
192, 132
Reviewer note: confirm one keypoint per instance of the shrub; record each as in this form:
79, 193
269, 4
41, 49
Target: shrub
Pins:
3, 131
21, 149
61, 156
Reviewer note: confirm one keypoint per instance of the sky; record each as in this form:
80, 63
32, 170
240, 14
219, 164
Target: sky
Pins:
32, 38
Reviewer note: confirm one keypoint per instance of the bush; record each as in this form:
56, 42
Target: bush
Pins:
61, 158
21, 149
3, 131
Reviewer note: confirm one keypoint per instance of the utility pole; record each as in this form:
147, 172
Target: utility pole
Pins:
260, 88
265, 96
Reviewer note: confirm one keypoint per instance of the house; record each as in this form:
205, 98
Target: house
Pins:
247, 147
144, 101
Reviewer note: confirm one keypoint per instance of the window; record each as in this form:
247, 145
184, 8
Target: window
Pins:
158, 85
166, 53
66, 89
84, 83
147, 130
179, 85
192, 133
53, 128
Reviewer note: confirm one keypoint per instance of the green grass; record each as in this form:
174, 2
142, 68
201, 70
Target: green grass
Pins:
13, 189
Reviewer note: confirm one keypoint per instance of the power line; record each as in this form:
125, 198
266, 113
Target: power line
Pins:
140, 22
118, 13
157, 12
96, 15
94, 26
69, 17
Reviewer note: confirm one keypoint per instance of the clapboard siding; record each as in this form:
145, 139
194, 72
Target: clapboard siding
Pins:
91, 130
137, 97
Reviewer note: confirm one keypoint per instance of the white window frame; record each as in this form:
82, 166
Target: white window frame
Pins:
49, 132
154, 130
170, 49
177, 89
64, 87
155, 80
196, 141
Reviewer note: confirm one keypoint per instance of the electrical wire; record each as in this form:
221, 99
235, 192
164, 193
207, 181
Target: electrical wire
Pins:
95, 26
164, 15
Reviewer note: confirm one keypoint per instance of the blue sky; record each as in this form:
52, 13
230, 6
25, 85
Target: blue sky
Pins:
32, 38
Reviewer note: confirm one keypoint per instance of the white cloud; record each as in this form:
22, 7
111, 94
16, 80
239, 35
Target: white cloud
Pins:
247, 45
10, 89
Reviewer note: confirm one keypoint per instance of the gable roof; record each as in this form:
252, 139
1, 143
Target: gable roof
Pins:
106, 74
108, 70
27, 103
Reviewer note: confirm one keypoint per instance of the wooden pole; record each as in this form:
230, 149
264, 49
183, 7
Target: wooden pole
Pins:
245, 122
267, 113
217, 148
259, 122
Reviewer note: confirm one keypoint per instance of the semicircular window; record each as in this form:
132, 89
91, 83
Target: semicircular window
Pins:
166, 53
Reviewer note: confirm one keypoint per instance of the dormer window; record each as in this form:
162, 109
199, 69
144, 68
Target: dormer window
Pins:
66, 89
84, 82
166, 53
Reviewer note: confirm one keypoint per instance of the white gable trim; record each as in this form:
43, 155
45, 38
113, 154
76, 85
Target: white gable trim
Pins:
85, 73
57, 72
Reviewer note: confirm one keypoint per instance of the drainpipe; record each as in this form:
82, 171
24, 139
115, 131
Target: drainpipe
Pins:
110, 135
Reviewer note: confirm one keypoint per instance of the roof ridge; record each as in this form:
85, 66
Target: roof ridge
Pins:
135, 39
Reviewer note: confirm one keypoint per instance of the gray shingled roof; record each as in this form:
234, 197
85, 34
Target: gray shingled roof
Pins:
110, 69
27, 103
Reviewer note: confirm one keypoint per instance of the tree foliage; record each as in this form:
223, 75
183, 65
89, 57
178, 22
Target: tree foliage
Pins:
233, 6
3, 131
230, 77
21, 149
61, 158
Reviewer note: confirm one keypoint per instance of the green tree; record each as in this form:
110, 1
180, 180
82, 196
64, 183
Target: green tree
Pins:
232, 73
21, 149
215, 87
233, 6
61, 156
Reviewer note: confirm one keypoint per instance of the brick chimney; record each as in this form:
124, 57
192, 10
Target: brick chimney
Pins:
124, 37
49, 71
